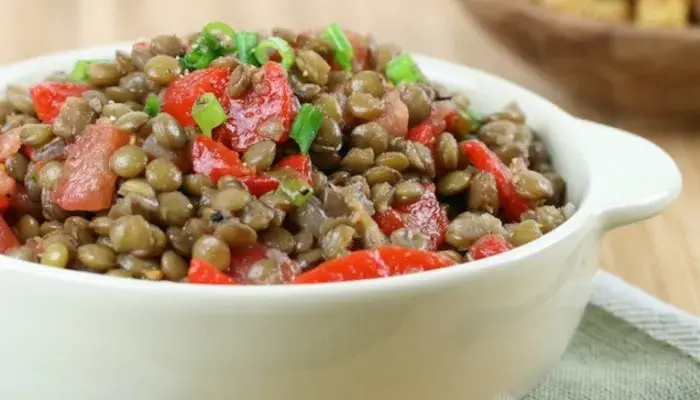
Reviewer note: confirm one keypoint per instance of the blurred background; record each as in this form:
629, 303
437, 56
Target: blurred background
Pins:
512, 38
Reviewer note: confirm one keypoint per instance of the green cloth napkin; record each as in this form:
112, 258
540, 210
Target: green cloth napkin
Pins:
629, 346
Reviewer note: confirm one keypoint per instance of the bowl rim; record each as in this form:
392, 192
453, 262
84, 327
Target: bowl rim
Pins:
581, 219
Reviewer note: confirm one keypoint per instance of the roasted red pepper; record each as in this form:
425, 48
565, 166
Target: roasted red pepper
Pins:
87, 183
377, 263
258, 185
513, 204
48, 97
426, 215
300, 163
7, 238
270, 97
203, 273
489, 245
214, 160
261, 184
181, 94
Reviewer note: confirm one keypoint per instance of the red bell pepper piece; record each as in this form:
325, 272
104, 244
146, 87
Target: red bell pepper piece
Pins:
270, 97
10, 143
258, 185
48, 97
202, 273
513, 204
7, 237
261, 184
489, 245
377, 263
87, 183
181, 94
423, 134
214, 160
242, 258
300, 163
426, 215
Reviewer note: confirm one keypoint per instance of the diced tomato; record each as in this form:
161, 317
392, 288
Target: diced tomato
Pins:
181, 94
87, 183
258, 185
261, 184
29, 151
8, 190
48, 97
300, 163
203, 273
270, 97
489, 245
378, 263
242, 258
10, 143
214, 160
425, 215
514, 205
7, 237
395, 117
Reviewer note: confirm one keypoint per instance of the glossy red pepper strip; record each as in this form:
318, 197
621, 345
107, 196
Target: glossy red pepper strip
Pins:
377, 263
203, 273
7, 238
215, 160
514, 205
489, 245
258, 185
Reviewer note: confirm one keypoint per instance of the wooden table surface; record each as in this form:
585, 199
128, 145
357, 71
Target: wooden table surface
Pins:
657, 255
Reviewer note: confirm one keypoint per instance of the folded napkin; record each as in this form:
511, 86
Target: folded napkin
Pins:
629, 346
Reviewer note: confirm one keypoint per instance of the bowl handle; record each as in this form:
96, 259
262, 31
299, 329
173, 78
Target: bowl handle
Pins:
633, 179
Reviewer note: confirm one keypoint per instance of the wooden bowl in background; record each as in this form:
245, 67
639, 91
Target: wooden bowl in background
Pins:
616, 70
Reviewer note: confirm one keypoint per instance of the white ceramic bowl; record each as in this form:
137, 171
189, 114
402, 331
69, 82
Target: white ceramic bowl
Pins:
467, 332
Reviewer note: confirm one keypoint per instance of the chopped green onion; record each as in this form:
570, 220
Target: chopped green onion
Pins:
199, 57
79, 73
402, 68
343, 52
306, 126
271, 44
475, 121
245, 45
297, 190
222, 34
152, 106
208, 113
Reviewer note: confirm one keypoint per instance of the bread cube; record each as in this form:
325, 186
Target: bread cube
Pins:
662, 13
608, 10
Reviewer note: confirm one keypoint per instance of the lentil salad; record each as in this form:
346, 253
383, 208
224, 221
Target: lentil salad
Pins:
233, 157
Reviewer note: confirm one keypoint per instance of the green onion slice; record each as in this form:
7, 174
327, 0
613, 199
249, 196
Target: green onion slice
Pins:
152, 106
208, 113
271, 44
199, 57
343, 52
245, 45
306, 126
222, 34
402, 68
79, 73
474, 120
297, 190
